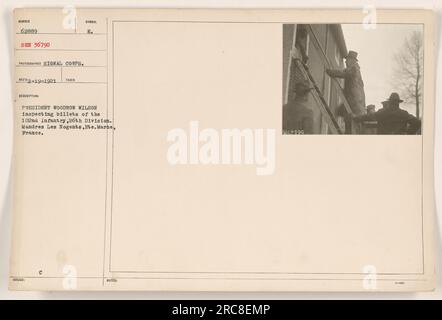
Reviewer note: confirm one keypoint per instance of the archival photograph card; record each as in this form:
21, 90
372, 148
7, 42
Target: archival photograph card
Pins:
223, 150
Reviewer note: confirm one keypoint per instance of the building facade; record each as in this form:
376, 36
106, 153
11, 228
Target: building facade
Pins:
308, 50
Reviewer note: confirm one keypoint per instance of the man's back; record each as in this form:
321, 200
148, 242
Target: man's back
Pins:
396, 121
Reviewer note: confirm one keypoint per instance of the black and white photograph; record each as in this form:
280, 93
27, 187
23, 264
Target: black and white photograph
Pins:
175, 153
352, 79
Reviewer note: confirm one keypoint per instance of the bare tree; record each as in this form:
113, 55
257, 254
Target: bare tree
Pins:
408, 72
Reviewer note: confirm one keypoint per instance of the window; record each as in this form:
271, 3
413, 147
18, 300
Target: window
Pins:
338, 58
329, 91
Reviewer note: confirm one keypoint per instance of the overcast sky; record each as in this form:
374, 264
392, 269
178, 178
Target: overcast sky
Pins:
376, 48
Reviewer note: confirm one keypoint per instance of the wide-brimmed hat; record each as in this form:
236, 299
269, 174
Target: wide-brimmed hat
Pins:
352, 55
394, 97
302, 86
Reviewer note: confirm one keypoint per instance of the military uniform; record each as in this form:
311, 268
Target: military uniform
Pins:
297, 115
396, 121
392, 119
370, 124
